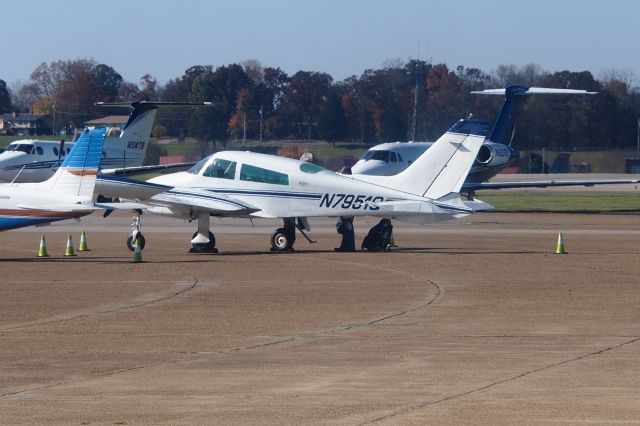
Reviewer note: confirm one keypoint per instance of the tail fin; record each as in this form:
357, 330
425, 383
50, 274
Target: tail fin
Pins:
77, 174
130, 148
514, 96
441, 170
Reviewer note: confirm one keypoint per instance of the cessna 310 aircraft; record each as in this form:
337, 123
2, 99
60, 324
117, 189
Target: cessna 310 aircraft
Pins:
245, 184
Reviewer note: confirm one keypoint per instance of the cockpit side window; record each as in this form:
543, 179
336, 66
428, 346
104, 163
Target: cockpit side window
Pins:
400, 158
220, 168
392, 157
39, 150
258, 174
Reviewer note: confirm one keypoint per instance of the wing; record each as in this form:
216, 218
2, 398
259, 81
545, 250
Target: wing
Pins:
545, 183
196, 199
138, 170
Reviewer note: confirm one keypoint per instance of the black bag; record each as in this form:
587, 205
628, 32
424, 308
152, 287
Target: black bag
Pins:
379, 236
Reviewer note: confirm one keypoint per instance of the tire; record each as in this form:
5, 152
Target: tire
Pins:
209, 247
132, 244
280, 241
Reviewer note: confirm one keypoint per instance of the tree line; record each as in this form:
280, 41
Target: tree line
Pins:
412, 100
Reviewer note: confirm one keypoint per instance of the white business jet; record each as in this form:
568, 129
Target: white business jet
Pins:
495, 155
245, 184
124, 150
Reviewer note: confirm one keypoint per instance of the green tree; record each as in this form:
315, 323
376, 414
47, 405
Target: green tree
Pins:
5, 98
332, 122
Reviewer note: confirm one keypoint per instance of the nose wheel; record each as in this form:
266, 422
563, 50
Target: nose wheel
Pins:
136, 234
131, 242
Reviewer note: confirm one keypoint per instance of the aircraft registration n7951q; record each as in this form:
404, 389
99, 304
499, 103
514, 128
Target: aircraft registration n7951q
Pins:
245, 184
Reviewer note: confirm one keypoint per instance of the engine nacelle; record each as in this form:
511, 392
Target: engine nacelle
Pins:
493, 154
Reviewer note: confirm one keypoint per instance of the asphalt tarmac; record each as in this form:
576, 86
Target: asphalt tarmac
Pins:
475, 321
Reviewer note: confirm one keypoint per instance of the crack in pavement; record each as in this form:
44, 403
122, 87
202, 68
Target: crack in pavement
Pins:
104, 312
499, 382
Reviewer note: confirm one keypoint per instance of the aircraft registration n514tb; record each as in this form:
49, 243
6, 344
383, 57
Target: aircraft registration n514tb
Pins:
245, 184
124, 150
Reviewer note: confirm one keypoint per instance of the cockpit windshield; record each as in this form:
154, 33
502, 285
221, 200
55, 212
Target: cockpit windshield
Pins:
195, 169
20, 148
377, 155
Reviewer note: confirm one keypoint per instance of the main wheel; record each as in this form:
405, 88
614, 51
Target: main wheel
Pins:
280, 241
209, 247
132, 244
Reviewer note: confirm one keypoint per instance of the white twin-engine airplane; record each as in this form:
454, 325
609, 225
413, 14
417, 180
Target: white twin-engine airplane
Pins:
245, 184
68, 194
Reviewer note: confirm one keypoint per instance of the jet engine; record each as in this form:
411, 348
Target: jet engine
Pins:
493, 154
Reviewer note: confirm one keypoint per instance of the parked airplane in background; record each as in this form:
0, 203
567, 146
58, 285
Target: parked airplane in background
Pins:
32, 160
390, 158
66, 195
495, 155
245, 184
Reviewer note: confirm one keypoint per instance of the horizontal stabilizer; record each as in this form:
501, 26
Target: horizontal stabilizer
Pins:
58, 207
151, 103
534, 91
546, 183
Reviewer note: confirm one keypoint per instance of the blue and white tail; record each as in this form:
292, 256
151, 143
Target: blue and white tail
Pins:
77, 174
514, 96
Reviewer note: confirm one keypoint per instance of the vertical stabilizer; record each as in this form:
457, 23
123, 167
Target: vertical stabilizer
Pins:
77, 174
441, 170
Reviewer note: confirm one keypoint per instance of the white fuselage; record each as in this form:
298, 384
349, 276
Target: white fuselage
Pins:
283, 187
390, 158
33, 160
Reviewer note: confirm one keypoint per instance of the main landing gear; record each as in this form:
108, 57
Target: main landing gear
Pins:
283, 238
203, 240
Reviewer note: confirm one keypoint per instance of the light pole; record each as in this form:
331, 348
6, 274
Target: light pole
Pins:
638, 137
261, 124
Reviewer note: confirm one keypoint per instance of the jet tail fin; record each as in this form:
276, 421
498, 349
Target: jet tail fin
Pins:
514, 96
130, 148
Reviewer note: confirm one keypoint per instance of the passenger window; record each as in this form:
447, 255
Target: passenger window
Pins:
258, 174
55, 151
220, 168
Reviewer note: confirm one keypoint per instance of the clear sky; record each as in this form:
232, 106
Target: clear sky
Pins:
340, 37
